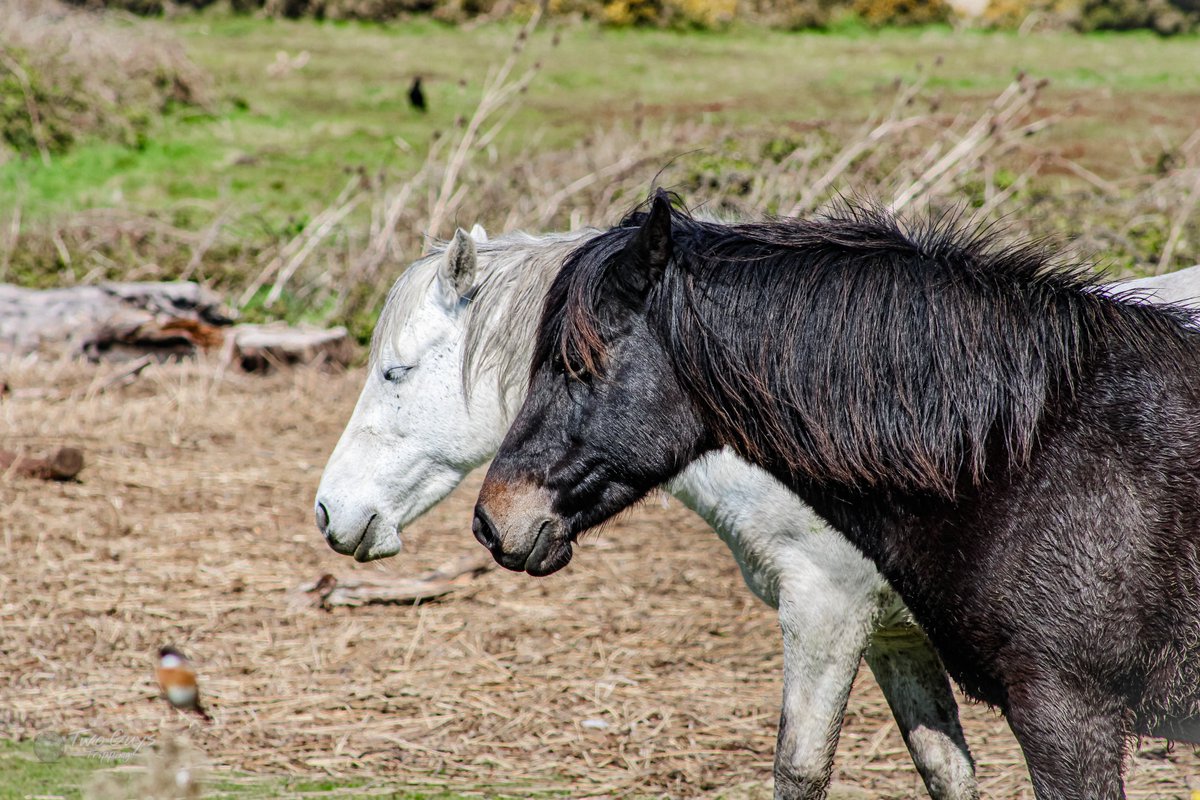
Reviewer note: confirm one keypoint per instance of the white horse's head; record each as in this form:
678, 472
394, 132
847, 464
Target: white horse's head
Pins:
414, 433
448, 365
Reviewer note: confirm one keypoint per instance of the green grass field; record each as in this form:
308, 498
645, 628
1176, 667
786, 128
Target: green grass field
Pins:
27, 773
280, 145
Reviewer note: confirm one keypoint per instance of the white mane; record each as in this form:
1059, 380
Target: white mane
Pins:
503, 305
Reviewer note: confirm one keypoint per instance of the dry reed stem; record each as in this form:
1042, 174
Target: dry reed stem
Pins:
1181, 218
497, 91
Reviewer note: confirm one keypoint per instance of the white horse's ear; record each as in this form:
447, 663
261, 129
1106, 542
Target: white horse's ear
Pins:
456, 273
478, 233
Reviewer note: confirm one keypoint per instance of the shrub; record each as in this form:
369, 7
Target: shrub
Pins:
368, 10
1166, 17
660, 13
796, 14
67, 74
902, 12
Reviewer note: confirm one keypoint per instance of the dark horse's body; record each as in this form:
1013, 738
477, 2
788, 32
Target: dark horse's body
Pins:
1018, 452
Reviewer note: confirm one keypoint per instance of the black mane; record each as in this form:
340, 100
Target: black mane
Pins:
920, 354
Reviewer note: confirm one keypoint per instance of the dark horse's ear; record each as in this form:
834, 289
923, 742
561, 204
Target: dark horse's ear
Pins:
646, 255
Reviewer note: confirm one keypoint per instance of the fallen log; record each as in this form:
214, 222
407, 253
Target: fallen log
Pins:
88, 320
128, 322
63, 465
328, 591
261, 348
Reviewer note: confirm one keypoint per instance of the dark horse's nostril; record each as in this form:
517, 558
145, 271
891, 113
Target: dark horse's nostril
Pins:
323, 519
484, 532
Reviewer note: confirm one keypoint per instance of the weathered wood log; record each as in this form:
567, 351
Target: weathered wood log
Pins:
130, 321
261, 348
63, 465
107, 319
327, 591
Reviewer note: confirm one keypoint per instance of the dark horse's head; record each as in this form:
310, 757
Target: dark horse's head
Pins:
605, 420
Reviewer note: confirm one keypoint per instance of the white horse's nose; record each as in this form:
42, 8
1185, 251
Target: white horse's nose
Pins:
322, 519
354, 531
342, 531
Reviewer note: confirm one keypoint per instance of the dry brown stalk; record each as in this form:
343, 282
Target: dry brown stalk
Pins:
1181, 218
992, 127
31, 107
292, 255
498, 90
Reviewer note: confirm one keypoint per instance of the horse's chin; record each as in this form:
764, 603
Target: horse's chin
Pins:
379, 541
549, 557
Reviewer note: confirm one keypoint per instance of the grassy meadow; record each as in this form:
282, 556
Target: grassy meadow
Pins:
295, 110
75, 776
281, 142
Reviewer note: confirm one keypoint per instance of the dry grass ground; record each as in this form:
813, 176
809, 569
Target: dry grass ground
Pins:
191, 525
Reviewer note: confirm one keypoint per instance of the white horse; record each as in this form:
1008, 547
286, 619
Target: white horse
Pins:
448, 369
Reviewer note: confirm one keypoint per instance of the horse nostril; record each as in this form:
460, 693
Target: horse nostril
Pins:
484, 531
323, 519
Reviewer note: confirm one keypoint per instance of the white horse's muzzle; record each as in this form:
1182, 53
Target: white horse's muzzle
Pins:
366, 540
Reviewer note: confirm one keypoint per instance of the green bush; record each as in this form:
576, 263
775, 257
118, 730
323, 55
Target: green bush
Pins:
902, 12
67, 74
349, 9
1166, 17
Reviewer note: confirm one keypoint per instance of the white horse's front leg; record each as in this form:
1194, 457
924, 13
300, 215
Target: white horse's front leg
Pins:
916, 687
825, 630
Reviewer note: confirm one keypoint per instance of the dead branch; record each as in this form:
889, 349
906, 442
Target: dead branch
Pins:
327, 591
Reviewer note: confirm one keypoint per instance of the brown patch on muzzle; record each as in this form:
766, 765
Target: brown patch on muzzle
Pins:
515, 521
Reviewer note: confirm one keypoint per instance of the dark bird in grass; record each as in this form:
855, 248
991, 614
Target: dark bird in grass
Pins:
177, 679
416, 97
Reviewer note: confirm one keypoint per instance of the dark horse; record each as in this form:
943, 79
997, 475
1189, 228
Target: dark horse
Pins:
1017, 451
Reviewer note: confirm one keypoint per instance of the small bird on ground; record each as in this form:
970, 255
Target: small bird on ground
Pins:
177, 679
416, 97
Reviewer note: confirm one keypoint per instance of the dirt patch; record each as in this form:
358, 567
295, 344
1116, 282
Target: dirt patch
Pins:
643, 669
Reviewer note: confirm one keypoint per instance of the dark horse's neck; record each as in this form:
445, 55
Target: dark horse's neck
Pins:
859, 355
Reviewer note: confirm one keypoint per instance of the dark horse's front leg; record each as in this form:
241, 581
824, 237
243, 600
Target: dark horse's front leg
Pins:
1073, 741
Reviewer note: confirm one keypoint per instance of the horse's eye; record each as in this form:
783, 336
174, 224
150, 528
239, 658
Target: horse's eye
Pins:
397, 373
573, 369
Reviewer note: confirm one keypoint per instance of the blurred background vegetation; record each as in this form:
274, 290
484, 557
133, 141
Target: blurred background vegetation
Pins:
1162, 16
268, 149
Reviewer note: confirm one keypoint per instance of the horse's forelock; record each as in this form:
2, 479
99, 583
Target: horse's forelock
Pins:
407, 292
515, 272
572, 328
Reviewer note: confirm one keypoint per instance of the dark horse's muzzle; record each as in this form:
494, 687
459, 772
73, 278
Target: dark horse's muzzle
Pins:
515, 522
